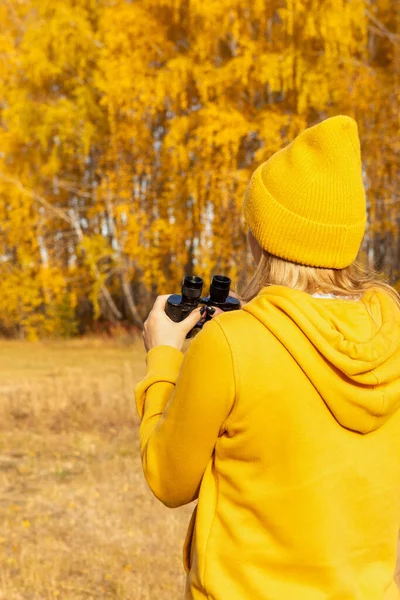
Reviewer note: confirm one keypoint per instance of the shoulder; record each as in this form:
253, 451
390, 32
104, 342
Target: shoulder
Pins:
235, 317
222, 330
237, 325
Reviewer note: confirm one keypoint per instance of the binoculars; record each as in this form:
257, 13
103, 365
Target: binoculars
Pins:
178, 307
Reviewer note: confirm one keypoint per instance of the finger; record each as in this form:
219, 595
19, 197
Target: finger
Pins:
190, 321
217, 311
160, 302
196, 314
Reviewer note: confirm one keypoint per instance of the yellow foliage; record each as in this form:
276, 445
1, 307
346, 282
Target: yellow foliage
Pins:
129, 131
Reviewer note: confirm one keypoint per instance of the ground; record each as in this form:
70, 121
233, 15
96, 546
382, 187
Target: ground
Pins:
78, 520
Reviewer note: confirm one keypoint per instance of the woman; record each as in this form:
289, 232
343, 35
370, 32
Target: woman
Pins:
283, 418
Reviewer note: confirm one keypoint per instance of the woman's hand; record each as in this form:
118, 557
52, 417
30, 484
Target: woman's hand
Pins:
159, 330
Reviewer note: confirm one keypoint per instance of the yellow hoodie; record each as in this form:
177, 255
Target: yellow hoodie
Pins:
283, 419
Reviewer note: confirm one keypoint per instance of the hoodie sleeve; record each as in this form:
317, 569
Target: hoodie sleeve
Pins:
183, 402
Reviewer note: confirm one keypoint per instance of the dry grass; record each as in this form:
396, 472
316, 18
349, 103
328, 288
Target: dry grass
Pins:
78, 521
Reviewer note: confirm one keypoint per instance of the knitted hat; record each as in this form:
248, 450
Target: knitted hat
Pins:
306, 204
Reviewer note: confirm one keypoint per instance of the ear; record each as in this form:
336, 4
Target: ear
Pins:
255, 247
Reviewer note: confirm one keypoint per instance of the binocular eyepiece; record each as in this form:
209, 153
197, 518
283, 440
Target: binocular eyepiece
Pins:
178, 307
219, 289
191, 290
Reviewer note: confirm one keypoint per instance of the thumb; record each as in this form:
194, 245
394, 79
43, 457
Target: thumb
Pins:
191, 320
194, 316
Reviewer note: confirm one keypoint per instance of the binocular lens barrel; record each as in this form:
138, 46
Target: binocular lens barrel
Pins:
191, 289
219, 288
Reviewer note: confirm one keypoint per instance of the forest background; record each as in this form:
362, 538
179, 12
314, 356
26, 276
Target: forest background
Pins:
129, 131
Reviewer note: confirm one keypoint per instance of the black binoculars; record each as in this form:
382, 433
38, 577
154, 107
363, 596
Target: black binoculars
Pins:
178, 307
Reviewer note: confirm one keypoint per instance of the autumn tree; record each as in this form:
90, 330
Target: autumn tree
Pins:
129, 130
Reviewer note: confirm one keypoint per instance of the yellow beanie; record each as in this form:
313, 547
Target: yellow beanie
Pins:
306, 204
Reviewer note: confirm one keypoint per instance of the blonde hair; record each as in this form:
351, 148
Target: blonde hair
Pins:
351, 281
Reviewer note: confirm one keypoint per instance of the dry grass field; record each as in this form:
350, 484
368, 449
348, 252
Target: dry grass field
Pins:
77, 519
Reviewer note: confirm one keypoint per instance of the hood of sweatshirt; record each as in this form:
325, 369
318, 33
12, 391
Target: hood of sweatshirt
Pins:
349, 349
